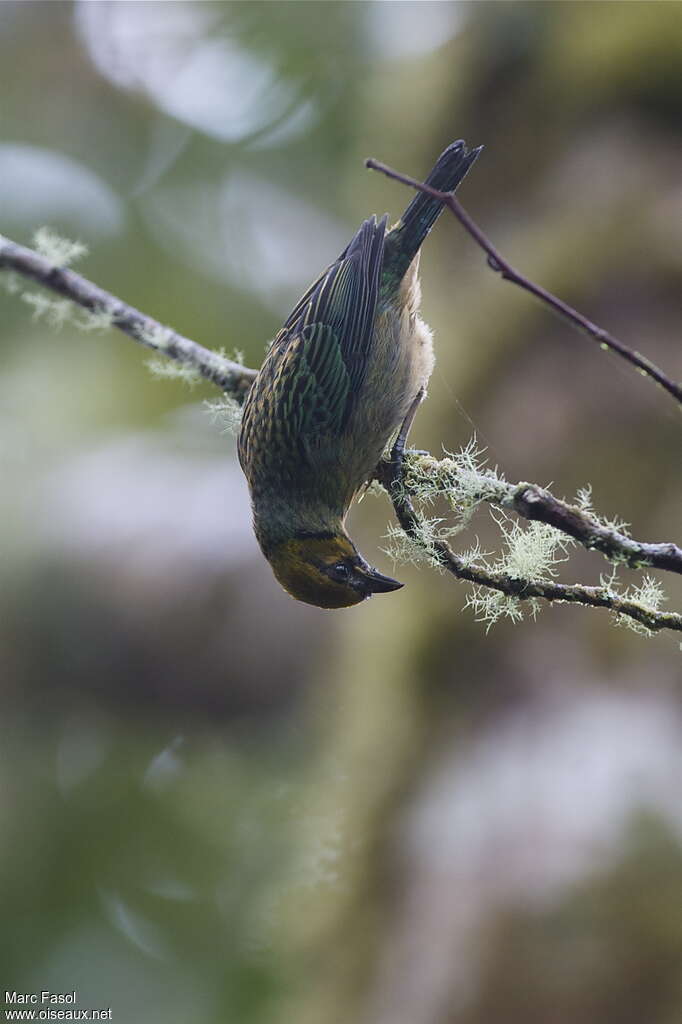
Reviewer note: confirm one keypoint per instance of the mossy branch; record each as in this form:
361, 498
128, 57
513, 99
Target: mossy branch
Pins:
110, 311
421, 476
517, 588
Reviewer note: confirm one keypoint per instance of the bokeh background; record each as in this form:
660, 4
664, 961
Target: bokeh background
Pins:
217, 805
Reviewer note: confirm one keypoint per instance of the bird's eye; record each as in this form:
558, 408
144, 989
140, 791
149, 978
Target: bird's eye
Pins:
341, 571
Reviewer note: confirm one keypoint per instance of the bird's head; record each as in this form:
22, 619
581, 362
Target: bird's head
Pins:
325, 570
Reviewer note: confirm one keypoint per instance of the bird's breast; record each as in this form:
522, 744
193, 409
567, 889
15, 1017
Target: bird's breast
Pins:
400, 365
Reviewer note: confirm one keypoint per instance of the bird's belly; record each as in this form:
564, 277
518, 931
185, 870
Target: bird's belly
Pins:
401, 364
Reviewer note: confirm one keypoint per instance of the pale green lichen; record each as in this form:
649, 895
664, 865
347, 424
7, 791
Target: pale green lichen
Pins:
58, 251
473, 556
649, 596
489, 606
461, 478
412, 550
533, 549
10, 282
584, 503
155, 336
169, 370
532, 553
584, 499
95, 320
225, 413
615, 523
55, 312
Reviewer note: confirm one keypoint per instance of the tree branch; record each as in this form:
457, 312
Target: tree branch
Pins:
227, 375
538, 504
520, 589
501, 266
528, 500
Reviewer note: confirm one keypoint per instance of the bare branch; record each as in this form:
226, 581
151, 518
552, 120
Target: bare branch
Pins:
501, 266
229, 376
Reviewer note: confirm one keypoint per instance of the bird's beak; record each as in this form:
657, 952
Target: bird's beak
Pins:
377, 583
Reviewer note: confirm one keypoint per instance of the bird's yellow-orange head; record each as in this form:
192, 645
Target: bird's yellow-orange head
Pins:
325, 570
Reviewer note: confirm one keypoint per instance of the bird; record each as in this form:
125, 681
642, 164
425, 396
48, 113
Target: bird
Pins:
347, 369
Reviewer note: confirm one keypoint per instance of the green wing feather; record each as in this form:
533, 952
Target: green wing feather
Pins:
311, 389
344, 298
304, 394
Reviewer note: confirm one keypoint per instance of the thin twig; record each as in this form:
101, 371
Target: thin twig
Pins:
228, 375
521, 589
500, 265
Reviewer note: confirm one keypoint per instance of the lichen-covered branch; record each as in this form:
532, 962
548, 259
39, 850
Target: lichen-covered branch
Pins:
424, 474
228, 375
501, 266
421, 476
536, 503
516, 588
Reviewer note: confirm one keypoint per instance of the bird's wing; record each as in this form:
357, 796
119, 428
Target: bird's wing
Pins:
306, 389
344, 299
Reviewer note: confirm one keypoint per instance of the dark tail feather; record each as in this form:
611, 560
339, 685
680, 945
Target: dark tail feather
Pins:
403, 242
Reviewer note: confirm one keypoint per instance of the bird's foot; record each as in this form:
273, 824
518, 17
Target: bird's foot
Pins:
389, 471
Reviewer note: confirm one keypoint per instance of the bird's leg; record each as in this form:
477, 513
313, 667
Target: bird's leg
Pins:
398, 450
389, 472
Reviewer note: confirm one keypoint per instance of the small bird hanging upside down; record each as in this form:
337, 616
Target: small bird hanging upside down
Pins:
347, 369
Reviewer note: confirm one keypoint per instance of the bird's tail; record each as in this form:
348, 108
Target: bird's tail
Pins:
405, 239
